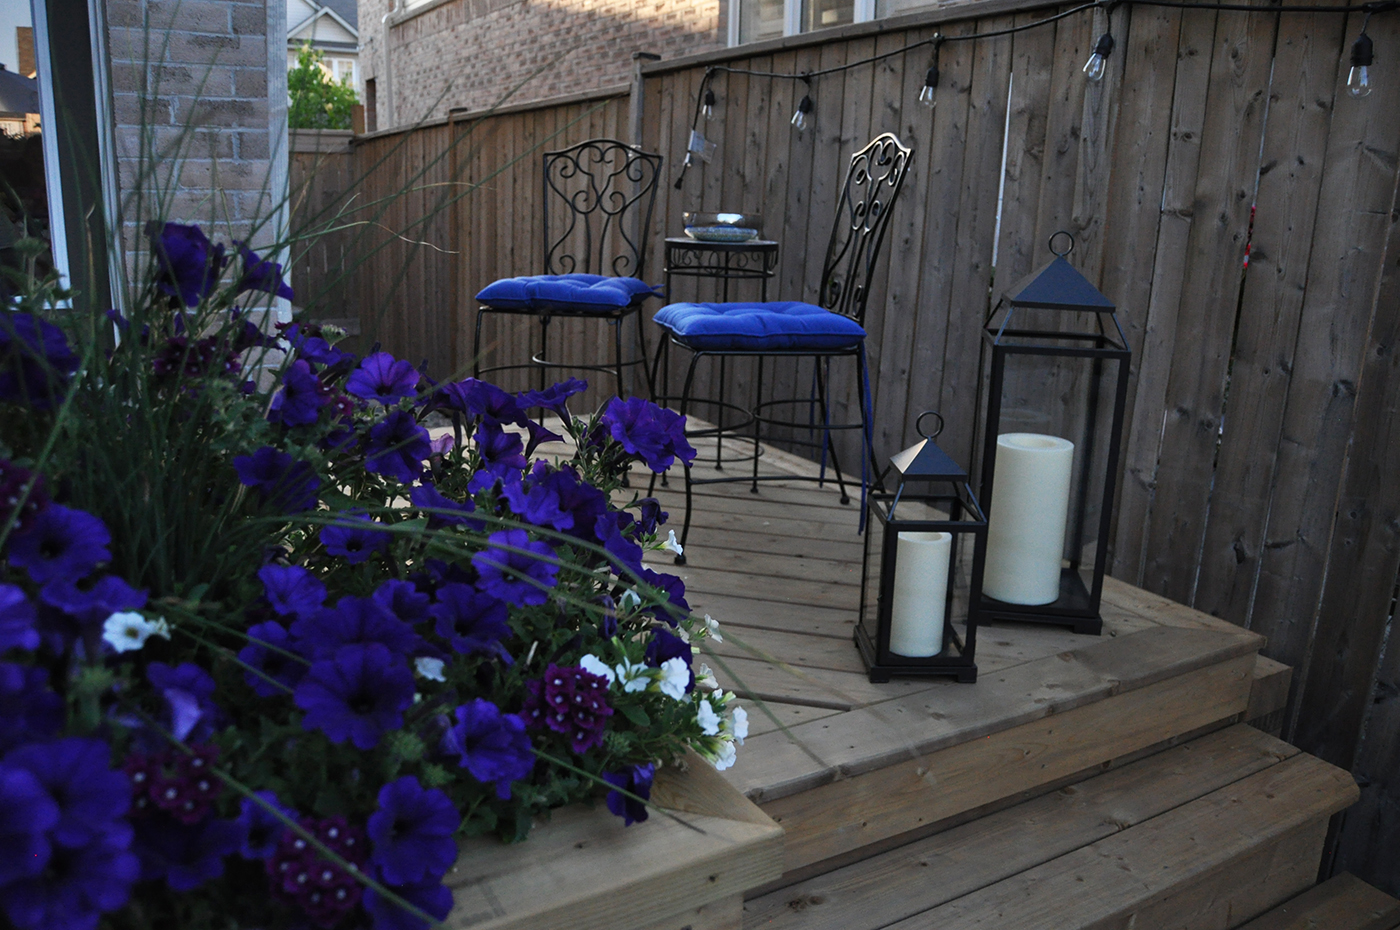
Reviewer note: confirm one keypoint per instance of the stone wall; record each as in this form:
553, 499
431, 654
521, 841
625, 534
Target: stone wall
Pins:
194, 131
477, 53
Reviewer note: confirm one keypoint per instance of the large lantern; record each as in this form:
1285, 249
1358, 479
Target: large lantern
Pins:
922, 571
1052, 431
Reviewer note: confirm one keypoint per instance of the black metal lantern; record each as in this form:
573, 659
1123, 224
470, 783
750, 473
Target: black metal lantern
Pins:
1052, 431
922, 571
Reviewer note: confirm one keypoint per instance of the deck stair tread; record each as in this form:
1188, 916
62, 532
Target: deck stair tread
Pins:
1120, 843
1343, 902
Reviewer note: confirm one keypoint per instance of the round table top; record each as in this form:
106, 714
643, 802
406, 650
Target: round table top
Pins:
760, 245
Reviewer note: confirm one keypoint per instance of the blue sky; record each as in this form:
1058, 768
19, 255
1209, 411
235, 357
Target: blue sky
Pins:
12, 13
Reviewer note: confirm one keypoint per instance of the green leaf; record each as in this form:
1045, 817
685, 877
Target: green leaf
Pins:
635, 714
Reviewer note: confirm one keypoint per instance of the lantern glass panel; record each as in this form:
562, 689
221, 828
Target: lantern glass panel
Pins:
1055, 374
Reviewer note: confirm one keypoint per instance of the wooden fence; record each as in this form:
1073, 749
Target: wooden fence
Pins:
1263, 437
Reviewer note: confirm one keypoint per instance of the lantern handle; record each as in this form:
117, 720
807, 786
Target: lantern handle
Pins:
1068, 249
919, 424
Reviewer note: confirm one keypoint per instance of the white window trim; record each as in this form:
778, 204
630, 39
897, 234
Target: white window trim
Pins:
864, 12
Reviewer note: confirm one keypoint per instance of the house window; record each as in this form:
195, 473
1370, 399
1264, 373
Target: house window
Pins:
342, 70
756, 20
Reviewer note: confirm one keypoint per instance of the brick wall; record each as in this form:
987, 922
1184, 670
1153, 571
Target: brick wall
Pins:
190, 85
471, 53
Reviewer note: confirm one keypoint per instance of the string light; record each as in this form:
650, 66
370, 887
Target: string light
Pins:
928, 96
1359, 78
804, 106
1097, 65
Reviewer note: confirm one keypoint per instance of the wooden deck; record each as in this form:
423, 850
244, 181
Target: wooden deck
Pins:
1082, 781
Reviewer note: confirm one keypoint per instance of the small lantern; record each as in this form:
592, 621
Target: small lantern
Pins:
922, 571
1052, 432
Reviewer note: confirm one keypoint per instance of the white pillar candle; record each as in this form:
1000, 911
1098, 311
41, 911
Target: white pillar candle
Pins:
1026, 525
920, 594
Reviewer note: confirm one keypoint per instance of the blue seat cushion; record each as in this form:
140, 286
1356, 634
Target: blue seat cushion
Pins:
771, 326
564, 293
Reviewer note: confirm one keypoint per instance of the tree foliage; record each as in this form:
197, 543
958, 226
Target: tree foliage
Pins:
318, 101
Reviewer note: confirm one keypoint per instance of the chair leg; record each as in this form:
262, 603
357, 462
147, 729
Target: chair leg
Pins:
476, 345
689, 484
642, 348
617, 355
866, 439
826, 433
719, 428
757, 399
545, 320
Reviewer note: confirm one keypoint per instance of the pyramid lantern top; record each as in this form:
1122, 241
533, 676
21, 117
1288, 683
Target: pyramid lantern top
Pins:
925, 461
1058, 285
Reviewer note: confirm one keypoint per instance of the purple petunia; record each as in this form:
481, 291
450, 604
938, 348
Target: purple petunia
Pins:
636, 780
189, 695
555, 397
427, 496
78, 885
262, 274
356, 541
268, 645
412, 832
502, 452
664, 646
35, 360
300, 399
353, 620
357, 695
518, 575
29, 711
90, 601
397, 447
90, 796
674, 588
653, 434
431, 897
279, 479
481, 399
185, 855
27, 814
260, 828
471, 620
188, 265
314, 349
650, 515
621, 547
382, 379
17, 616
403, 600
492, 746
557, 497
61, 543
292, 590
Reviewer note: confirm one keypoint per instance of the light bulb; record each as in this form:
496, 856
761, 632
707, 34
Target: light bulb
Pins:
928, 96
799, 116
709, 108
1097, 65
1359, 78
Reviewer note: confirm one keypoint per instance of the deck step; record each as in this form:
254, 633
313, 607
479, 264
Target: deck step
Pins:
1343, 902
1206, 834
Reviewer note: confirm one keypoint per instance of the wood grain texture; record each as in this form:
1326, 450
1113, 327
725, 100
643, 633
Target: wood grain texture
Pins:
1343, 902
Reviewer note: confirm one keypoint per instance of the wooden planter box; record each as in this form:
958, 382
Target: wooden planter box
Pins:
584, 869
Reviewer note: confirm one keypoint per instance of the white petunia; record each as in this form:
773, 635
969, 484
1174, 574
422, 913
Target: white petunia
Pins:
630, 600
705, 679
673, 544
675, 675
739, 725
127, 631
725, 758
430, 668
712, 629
596, 666
707, 718
634, 677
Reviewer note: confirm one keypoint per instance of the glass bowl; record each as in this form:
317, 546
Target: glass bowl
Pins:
722, 227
